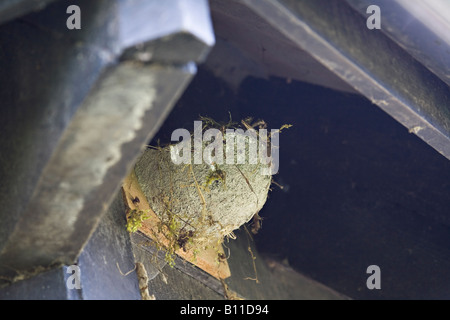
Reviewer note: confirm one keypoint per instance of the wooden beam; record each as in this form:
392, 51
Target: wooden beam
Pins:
207, 260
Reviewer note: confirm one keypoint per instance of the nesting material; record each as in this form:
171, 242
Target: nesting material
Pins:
202, 203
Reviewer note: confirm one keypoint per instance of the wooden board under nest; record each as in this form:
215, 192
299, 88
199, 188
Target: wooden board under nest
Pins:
210, 260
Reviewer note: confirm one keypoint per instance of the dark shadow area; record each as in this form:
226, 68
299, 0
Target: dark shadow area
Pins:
358, 189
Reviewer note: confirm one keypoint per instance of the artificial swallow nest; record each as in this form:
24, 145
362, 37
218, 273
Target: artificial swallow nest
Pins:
200, 203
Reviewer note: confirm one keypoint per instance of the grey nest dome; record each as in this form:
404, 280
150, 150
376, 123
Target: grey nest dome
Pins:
207, 201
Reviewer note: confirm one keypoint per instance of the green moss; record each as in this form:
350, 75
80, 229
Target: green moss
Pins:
215, 174
135, 218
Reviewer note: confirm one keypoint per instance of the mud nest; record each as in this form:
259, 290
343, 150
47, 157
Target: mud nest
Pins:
202, 203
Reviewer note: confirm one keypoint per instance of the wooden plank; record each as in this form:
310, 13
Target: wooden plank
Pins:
206, 260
